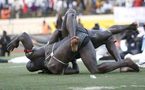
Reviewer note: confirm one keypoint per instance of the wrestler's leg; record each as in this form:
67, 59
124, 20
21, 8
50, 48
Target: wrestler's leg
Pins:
105, 37
110, 66
88, 56
69, 27
90, 62
69, 24
112, 49
98, 36
121, 28
24, 38
36, 56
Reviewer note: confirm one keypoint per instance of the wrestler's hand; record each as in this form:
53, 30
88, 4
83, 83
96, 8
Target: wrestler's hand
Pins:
74, 43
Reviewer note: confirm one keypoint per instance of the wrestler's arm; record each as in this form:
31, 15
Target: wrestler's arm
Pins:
56, 36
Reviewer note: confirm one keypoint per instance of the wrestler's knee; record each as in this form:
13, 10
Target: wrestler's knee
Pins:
23, 36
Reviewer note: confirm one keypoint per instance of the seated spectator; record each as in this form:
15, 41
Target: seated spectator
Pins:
138, 3
5, 12
106, 7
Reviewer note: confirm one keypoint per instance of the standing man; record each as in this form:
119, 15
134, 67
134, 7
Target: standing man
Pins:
5, 39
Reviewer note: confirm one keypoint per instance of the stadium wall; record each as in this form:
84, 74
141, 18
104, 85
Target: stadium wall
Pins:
34, 25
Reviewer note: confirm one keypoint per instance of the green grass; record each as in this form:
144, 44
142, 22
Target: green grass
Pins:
12, 55
16, 77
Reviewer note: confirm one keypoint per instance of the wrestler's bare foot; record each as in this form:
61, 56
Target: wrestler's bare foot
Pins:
132, 65
13, 44
126, 69
74, 43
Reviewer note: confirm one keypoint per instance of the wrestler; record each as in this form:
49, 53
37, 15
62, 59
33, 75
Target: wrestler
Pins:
79, 38
51, 59
70, 26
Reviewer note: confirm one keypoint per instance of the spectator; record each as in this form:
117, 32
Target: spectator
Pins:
104, 7
5, 12
1, 4
46, 28
25, 7
132, 47
140, 56
107, 7
5, 39
120, 2
141, 37
138, 3
129, 3
17, 8
60, 6
96, 27
83, 4
34, 8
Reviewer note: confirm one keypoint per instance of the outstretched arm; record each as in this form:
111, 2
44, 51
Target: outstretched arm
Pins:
56, 36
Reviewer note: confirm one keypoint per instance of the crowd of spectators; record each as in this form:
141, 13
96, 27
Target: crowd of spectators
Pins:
41, 8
